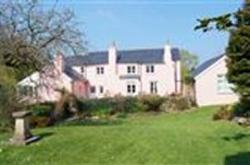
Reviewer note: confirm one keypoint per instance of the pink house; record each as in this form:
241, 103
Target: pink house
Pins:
211, 85
106, 74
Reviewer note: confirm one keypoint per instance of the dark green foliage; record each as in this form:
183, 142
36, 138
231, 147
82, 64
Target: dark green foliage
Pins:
43, 109
238, 51
110, 106
224, 113
241, 110
152, 102
41, 114
106, 108
127, 105
8, 104
5, 114
95, 106
220, 23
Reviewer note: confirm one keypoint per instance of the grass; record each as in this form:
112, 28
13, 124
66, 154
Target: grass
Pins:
181, 138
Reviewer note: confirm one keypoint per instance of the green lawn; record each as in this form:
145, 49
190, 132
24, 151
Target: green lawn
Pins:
182, 138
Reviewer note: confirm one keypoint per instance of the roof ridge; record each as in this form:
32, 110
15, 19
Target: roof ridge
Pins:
206, 64
129, 49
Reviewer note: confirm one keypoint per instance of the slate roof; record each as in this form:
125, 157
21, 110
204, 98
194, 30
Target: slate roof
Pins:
72, 73
202, 67
143, 56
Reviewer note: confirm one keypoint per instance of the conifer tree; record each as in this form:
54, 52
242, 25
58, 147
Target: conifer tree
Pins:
237, 51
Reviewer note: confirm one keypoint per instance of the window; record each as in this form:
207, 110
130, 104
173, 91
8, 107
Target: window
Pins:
131, 88
27, 91
150, 69
92, 89
100, 70
101, 89
131, 69
82, 69
223, 86
153, 87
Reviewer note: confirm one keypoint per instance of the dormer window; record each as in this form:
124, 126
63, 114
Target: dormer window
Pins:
131, 69
150, 69
100, 70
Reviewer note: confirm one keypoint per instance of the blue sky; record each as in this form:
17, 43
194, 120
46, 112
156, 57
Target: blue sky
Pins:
144, 23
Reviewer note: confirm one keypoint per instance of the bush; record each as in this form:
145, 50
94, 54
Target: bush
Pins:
48, 113
91, 107
152, 102
224, 113
176, 103
42, 109
241, 110
8, 104
110, 106
126, 105
41, 114
40, 121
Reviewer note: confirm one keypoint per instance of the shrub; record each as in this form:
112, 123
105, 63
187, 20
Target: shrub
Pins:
40, 121
90, 107
8, 104
42, 109
126, 105
241, 110
41, 114
152, 102
176, 103
224, 113
109, 106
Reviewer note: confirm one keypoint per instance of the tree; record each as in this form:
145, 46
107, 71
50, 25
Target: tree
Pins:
237, 51
188, 63
30, 33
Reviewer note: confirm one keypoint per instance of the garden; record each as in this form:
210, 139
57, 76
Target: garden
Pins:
189, 137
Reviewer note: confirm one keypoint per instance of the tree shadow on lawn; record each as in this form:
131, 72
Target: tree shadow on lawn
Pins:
91, 122
236, 137
43, 135
241, 158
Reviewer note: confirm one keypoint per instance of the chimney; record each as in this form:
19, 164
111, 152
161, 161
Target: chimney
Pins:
112, 55
167, 54
59, 62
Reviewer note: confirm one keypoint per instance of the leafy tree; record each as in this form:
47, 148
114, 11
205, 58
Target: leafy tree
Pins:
237, 51
30, 34
188, 63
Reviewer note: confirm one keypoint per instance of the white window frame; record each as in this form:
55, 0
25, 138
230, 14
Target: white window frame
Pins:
153, 87
131, 69
223, 86
150, 68
131, 88
100, 70
101, 89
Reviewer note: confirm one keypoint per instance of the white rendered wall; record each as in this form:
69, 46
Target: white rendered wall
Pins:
206, 86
